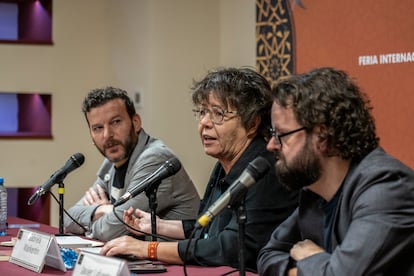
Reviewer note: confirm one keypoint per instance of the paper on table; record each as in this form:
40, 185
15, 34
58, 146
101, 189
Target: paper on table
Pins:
76, 242
10, 243
94, 250
5, 255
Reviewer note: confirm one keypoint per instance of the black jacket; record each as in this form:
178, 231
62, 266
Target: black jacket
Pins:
372, 231
267, 204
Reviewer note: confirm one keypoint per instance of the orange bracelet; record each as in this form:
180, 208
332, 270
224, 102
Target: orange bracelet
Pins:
152, 250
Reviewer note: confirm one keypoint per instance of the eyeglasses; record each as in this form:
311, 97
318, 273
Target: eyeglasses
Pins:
217, 114
279, 136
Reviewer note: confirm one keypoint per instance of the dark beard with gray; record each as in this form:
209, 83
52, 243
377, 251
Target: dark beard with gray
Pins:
129, 146
302, 171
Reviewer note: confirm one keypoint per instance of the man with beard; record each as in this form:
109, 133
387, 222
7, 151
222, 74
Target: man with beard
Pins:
356, 210
131, 155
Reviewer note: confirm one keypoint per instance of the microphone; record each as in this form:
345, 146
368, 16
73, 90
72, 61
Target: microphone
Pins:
169, 168
74, 162
255, 170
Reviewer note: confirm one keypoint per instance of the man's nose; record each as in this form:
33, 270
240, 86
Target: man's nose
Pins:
108, 132
273, 145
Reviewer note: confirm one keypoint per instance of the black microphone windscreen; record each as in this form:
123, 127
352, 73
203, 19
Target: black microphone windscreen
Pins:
78, 159
173, 165
259, 167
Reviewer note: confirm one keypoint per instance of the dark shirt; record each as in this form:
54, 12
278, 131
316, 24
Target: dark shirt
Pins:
119, 178
267, 204
329, 208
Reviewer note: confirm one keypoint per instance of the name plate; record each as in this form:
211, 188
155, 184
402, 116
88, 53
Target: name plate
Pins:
95, 264
34, 249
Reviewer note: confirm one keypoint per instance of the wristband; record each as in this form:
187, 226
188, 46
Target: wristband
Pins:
152, 251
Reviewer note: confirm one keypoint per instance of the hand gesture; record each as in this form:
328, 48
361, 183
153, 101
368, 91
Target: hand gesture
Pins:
138, 220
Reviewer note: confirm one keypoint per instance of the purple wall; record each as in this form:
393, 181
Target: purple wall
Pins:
35, 22
28, 21
25, 114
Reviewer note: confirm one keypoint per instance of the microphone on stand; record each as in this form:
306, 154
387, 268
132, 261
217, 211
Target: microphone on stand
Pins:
169, 168
255, 170
74, 162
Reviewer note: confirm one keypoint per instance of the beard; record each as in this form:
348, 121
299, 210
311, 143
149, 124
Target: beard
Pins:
302, 171
127, 147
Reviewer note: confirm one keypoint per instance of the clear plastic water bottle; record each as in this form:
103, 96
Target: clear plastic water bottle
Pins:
3, 208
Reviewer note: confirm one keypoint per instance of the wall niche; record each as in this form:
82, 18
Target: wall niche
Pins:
25, 115
26, 21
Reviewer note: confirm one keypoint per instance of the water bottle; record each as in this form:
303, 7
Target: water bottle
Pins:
3, 208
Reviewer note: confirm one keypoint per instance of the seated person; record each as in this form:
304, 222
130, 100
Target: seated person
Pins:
356, 209
232, 108
131, 155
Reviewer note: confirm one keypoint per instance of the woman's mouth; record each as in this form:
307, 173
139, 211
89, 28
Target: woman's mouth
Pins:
206, 139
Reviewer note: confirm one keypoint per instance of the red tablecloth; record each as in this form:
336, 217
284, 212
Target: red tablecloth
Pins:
10, 269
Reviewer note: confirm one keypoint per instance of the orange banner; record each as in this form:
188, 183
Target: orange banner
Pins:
374, 42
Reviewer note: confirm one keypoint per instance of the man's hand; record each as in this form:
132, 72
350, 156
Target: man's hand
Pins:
95, 197
304, 249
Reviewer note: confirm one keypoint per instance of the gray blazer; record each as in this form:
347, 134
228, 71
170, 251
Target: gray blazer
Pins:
373, 227
176, 196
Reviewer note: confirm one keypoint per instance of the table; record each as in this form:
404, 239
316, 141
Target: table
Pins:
10, 269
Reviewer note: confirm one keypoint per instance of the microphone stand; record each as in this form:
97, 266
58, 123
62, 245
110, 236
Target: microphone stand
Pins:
241, 219
61, 192
153, 204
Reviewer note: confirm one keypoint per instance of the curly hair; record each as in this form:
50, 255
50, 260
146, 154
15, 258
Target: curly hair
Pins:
241, 88
328, 97
100, 96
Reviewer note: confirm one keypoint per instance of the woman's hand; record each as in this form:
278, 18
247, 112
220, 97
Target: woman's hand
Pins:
138, 220
126, 245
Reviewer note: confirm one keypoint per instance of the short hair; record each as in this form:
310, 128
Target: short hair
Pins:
327, 96
242, 88
100, 96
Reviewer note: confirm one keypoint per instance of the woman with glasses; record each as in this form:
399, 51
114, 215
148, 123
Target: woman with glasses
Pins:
232, 107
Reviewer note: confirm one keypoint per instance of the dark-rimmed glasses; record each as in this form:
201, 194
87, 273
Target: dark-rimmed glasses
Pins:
217, 114
279, 136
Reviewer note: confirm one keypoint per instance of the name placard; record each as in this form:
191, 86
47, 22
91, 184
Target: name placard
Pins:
34, 249
95, 264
